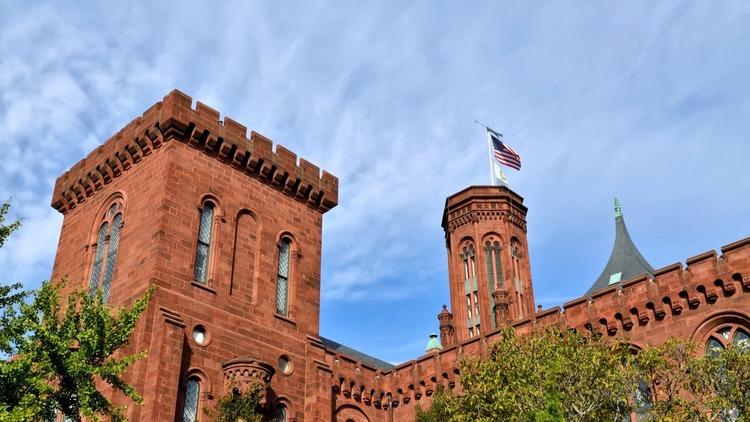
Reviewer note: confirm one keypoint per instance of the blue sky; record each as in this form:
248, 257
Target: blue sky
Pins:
647, 101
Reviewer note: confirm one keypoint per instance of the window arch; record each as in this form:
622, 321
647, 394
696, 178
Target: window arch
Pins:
282, 276
203, 248
722, 330
191, 406
105, 249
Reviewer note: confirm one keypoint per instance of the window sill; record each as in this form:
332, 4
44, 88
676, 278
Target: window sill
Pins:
285, 319
203, 286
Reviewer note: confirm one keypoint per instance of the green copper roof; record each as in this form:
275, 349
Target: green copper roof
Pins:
625, 261
433, 344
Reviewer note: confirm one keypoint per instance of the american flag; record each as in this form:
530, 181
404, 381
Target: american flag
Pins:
504, 154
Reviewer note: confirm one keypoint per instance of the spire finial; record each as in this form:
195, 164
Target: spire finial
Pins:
618, 209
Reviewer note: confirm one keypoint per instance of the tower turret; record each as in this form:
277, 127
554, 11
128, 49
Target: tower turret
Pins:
488, 264
447, 330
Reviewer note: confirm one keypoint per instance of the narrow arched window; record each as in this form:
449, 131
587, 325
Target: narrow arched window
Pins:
105, 254
282, 279
468, 256
490, 268
114, 243
279, 413
495, 278
192, 400
498, 265
204, 243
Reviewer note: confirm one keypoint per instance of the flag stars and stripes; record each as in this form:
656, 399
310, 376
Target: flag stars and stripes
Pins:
504, 154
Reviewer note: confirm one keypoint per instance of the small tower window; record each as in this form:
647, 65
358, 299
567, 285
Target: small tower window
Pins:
192, 399
282, 279
204, 243
105, 254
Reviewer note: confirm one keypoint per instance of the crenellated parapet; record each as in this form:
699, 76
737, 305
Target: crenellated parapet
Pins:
174, 118
642, 303
675, 291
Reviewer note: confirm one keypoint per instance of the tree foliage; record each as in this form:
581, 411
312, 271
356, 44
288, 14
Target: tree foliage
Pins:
240, 406
552, 375
55, 356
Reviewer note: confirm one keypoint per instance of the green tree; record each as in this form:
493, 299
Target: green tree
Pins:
559, 376
551, 375
55, 355
240, 406
722, 379
668, 369
439, 410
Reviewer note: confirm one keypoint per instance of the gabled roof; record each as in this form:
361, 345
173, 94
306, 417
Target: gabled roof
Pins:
356, 355
625, 261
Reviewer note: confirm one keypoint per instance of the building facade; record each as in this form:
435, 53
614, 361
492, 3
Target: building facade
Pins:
228, 229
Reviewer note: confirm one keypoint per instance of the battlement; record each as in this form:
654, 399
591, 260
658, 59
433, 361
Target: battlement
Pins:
674, 291
641, 303
200, 127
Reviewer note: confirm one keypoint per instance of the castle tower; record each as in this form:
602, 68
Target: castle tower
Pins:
227, 227
488, 261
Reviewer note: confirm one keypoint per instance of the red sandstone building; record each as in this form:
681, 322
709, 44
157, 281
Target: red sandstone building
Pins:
228, 228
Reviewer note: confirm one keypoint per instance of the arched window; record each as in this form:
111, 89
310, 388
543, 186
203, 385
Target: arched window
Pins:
279, 413
203, 249
726, 335
192, 400
282, 278
468, 256
105, 254
515, 253
494, 262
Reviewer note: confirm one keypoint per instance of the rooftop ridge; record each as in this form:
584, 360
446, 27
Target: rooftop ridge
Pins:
200, 127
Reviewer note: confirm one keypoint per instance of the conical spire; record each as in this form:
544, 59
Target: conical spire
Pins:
625, 261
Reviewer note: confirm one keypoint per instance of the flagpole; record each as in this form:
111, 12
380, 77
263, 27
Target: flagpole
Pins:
489, 150
492, 164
